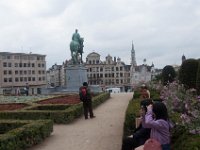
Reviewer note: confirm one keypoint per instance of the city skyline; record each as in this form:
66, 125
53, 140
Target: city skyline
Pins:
161, 31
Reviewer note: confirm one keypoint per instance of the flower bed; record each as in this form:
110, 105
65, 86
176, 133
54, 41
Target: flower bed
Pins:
12, 106
67, 99
59, 113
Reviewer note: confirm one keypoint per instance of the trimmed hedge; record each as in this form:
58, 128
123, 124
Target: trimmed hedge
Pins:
58, 113
23, 134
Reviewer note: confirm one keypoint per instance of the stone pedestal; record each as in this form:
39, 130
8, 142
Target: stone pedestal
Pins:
75, 76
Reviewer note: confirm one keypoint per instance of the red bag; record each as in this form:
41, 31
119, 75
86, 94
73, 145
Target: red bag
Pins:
152, 144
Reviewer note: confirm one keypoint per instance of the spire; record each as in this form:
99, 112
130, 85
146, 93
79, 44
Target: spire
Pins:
133, 60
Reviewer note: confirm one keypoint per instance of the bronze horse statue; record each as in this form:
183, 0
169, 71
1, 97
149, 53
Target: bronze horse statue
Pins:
76, 50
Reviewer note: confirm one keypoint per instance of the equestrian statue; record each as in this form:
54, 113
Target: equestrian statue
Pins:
76, 47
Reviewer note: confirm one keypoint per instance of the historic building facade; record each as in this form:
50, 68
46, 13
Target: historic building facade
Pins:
111, 72
20, 70
108, 73
140, 73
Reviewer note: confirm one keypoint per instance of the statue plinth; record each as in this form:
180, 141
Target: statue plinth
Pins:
75, 76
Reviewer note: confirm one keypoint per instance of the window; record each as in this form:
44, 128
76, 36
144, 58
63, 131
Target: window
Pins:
33, 78
33, 71
21, 79
16, 64
16, 79
39, 65
33, 65
29, 78
9, 72
4, 64
10, 79
9, 64
5, 72
5, 80
16, 71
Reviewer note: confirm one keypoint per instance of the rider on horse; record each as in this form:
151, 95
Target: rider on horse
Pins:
76, 47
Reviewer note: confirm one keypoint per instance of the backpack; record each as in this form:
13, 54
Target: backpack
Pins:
83, 93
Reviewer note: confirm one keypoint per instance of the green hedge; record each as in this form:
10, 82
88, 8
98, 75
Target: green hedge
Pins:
57, 113
24, 133
131, 113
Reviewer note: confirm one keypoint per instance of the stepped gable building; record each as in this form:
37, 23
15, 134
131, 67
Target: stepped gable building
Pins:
108, 73
20, 70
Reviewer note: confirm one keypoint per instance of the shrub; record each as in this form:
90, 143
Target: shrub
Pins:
23, 134
188, 73
58, 113
168, 74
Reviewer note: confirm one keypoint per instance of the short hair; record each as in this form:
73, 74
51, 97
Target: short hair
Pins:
85, 84
160, 111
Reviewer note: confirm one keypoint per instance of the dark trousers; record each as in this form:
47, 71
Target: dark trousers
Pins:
87, 106
130, 143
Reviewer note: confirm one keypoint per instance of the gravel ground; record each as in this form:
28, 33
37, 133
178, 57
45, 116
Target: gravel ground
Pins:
101, 133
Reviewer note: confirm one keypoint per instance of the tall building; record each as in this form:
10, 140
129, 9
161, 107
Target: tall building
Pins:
20, 70
140, 73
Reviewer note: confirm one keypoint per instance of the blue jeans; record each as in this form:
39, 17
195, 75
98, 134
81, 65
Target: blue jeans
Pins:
165, 147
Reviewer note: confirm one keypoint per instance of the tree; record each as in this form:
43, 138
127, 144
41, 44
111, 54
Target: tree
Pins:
168, 74
188, 73
198, 78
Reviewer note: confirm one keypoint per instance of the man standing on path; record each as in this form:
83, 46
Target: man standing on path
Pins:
86, 98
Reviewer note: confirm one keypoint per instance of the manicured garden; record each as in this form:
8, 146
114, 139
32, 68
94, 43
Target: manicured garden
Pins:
23, 123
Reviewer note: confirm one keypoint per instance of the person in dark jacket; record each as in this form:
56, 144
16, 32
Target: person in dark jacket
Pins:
140, 134
86, 98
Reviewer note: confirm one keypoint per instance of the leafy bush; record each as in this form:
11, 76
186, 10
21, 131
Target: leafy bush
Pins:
131, 113
188, 73
24, 134
168, 74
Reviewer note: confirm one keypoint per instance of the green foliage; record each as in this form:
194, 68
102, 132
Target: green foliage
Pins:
168, 74
183, 140
154, 93
136, 94
57, 113
131, 113
198, 78
188, 73
24, 134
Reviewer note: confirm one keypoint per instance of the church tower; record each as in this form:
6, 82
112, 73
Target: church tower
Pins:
133, 65
133, 60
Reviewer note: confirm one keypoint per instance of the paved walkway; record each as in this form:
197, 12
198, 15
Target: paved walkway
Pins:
101, 133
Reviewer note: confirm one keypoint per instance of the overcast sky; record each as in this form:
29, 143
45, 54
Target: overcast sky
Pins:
161, 30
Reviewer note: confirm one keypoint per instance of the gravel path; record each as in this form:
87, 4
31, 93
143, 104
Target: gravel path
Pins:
101, 133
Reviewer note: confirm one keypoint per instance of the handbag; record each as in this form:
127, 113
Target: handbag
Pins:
152, 144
